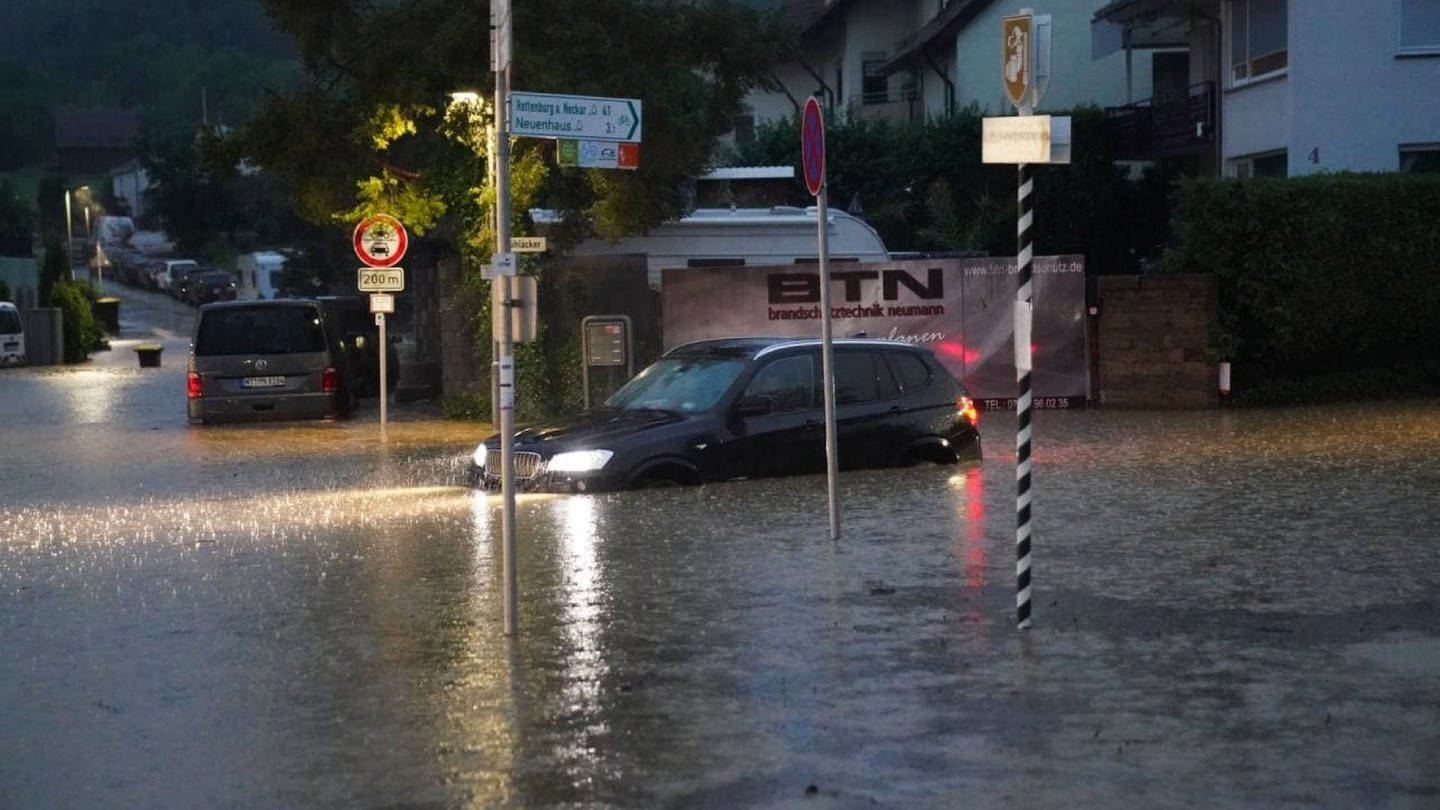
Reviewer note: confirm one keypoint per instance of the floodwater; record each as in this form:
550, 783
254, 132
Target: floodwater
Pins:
1233, 609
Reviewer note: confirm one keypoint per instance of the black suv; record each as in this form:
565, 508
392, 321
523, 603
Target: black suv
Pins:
746, 408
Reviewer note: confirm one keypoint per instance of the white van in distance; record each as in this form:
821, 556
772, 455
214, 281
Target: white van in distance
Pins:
741, 237
12, 336
259, 275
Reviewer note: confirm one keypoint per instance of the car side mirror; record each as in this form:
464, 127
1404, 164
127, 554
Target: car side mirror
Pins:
754, 405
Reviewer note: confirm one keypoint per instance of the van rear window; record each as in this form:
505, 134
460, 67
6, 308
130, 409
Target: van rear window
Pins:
10, 322
260, 330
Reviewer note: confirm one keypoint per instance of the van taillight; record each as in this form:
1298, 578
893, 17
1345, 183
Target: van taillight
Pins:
330, 380
967, 409
194, 389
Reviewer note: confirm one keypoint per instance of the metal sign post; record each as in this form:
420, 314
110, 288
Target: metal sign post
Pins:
382, 304
1018, 71
500, 305
380, 242
812, 159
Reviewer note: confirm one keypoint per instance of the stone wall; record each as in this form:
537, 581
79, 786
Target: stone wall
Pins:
1152, 335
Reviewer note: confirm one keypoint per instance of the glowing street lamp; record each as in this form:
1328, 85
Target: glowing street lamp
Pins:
70, 228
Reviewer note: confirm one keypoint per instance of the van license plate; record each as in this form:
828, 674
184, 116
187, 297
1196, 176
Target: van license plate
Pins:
12, 345
261, 382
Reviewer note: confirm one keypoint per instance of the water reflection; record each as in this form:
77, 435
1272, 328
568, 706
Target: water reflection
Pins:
340, 614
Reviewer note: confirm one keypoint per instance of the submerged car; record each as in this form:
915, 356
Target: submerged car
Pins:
717, 410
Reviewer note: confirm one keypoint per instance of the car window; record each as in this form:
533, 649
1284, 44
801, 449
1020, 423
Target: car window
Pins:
260, 330
9, 321
911, 370
789, 382
678, 384
861, 377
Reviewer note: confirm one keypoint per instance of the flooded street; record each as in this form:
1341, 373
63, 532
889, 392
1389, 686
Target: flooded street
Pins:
1233, 609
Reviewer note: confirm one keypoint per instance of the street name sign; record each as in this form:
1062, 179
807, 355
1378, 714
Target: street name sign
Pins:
381, 279
591, 118
528, 244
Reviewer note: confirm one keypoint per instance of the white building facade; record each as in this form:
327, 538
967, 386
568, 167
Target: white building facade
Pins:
1305, 86
906, 60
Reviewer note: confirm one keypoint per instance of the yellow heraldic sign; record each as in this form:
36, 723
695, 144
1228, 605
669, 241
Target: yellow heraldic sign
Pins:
1019, 57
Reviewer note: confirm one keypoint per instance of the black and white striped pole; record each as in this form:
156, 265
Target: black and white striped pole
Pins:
1026, 71
1024, 309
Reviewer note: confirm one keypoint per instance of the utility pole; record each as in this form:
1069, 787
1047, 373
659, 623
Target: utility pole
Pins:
500, 300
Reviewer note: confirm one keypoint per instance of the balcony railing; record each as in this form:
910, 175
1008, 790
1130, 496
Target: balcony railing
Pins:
894, 107
1177, 124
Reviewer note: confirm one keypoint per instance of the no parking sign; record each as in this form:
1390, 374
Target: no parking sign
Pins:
812, 146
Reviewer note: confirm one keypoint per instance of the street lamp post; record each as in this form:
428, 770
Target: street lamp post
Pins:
69, 238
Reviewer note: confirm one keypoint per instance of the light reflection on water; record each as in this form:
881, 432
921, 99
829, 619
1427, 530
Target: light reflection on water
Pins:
680, 644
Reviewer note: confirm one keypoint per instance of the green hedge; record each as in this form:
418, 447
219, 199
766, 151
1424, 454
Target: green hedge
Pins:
82, 332
1327, 277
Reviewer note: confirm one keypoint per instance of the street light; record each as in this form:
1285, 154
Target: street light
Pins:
70, 227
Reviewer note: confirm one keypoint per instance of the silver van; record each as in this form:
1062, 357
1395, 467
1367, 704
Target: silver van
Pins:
12, 335
265, 360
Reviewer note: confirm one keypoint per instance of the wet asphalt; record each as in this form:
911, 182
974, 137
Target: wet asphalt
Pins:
1233, 609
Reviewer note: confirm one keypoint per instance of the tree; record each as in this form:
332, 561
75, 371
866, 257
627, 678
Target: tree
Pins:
372, 131
17, 222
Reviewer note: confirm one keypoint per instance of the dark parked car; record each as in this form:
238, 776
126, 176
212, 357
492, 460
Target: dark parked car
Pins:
361, 336
744, 408
209, 285
253, 360
180, 278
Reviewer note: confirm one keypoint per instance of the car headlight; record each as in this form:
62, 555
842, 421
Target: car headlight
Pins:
479, 456
577, 461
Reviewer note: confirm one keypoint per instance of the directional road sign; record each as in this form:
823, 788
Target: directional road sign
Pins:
591, 118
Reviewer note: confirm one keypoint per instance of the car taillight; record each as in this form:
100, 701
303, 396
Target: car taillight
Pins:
330, 380
967, 409
194, 389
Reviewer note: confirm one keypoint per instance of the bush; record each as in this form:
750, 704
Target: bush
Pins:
82, 333
1327, 276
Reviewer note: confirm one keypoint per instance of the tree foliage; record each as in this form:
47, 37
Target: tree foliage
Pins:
17, 222
373, 128
1320, 275
923, 187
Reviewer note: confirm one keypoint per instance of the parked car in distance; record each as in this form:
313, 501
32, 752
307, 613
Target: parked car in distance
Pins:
361, 337
747, 408
180, 280
263, 360
165, 269
12, 335
209, 285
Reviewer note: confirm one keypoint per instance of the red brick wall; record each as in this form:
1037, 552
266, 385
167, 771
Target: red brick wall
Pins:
1152, 334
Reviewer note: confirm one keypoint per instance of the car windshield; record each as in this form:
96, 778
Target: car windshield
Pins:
678, 384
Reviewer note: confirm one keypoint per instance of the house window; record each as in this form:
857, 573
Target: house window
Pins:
744, 129
874, 85
1420, 158
1420, 25
1258, 39
1266, 164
